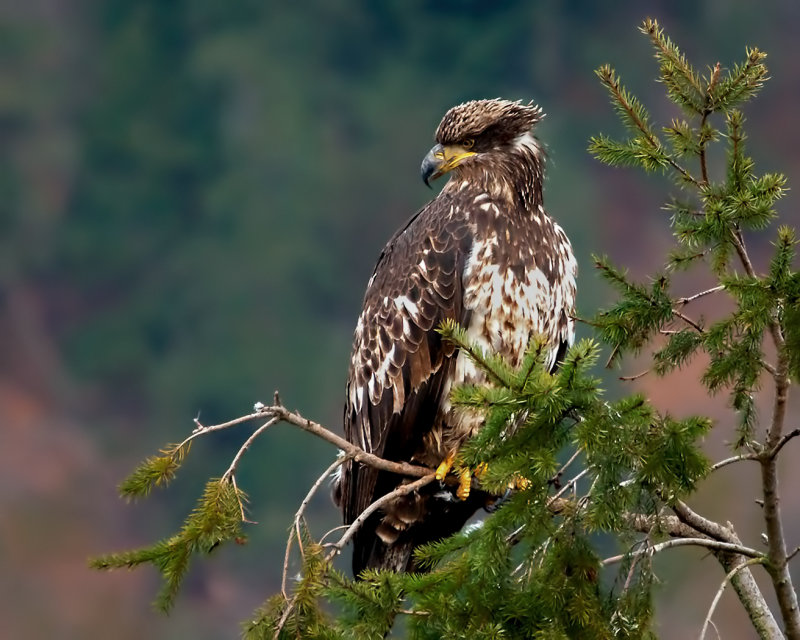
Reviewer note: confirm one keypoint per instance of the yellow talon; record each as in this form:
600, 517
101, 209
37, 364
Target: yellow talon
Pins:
520, 482
444, 468
464, 475
464, 484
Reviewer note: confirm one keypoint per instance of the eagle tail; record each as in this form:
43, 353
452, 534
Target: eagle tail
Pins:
388, 542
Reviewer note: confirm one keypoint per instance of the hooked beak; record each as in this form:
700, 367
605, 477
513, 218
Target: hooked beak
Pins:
442, 159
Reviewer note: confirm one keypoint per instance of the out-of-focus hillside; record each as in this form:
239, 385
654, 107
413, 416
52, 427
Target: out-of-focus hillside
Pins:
193, 196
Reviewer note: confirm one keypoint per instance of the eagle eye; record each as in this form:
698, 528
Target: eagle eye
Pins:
468, 143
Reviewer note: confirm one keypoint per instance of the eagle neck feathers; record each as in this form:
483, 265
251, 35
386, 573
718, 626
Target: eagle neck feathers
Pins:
513, 176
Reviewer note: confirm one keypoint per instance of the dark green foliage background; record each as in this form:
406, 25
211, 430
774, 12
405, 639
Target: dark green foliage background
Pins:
193, 195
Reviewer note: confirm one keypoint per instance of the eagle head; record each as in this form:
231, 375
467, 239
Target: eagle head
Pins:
472, 130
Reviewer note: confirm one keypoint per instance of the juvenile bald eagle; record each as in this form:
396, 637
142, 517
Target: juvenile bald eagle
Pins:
483, 253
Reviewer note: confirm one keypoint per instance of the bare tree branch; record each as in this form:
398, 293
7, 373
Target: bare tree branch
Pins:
743, 582
689, 299
733, 459
300, 513
357, 454
688, 321
778, 566
682, 542
231, 471
729, 576
786, 437
636, 376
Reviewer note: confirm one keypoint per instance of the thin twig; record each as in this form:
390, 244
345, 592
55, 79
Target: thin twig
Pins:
733, 459
786, 437
330, 532
566, 465
612, 356
683, 542
688, 321
242, 514
284, 618
565, 488
230, 473
243, 449
299, 514
411, 612
729, 576
738, 244
629, 577
201, 429
689, 299
636, 376
286, 557
402, 490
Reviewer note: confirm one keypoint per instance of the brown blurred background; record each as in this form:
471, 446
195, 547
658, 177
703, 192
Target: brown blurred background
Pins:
192, 196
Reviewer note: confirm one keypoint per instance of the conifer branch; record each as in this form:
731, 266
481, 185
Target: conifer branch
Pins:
654, 152
682, 81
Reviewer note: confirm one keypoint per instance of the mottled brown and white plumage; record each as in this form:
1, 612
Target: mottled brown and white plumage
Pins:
483, 253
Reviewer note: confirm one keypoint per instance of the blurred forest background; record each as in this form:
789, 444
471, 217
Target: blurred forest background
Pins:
192, 197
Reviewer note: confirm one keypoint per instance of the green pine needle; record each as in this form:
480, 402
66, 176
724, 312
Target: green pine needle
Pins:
155, 471
215, 519
683, 83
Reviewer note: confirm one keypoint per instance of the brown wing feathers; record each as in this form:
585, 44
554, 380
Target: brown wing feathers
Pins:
400, 363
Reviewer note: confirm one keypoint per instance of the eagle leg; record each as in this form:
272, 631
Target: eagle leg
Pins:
464, 484
464, 474
444, 468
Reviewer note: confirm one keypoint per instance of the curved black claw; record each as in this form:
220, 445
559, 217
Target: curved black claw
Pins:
493, 505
